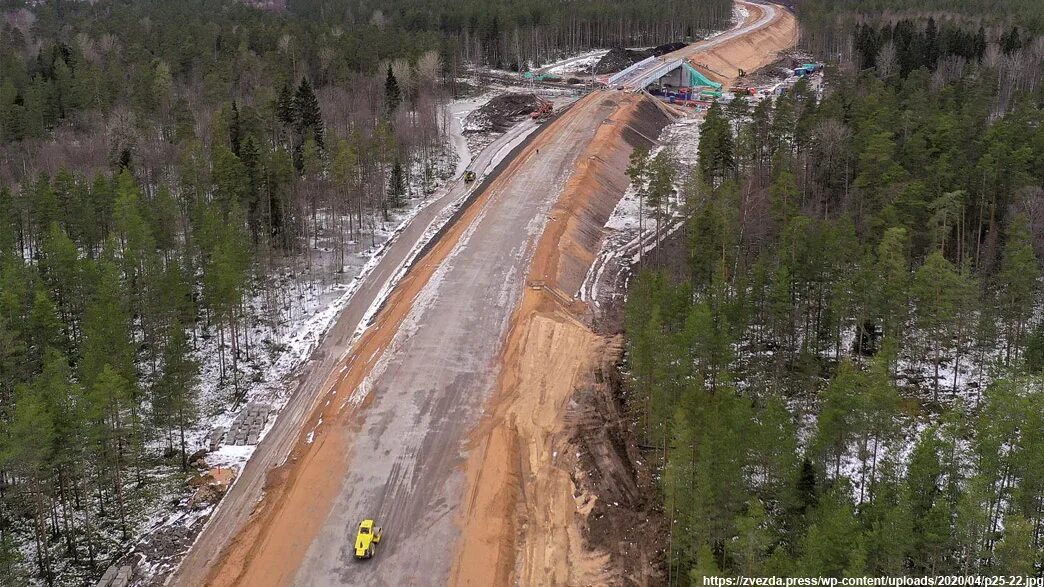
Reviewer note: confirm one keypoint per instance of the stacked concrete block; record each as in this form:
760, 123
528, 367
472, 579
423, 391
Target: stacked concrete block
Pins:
247, 427
116, 576
216, 436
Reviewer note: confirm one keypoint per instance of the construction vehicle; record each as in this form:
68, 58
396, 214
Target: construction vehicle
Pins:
543, 110
366, 539
469, 176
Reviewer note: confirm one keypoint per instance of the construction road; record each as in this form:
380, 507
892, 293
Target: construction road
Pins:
237, 506
758, 17
390, 441
440, 369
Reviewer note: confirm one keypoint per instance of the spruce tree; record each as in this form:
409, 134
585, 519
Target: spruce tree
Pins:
310, 117
392, 93
234, 132
286, 110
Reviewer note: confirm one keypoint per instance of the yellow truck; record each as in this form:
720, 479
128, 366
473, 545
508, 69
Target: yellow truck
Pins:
366, 539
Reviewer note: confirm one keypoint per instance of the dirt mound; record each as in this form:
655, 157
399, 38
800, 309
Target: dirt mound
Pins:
751, 51
500, 113
668, 48
210, 486
618, 59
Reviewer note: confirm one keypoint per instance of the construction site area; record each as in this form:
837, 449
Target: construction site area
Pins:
474, 418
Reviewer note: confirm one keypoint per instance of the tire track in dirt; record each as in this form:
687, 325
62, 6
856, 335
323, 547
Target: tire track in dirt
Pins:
299, 495
523, 516
526, 510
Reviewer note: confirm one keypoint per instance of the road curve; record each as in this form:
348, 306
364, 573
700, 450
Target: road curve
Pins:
236, 507
761, 15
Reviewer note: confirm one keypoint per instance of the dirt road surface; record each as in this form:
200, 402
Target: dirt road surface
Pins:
238, 505
430, 390
389, 441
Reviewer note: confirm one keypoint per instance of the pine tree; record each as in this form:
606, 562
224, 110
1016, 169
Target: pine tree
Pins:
754, 539
174, 405
935, 291
231, 181
107, 330
716, 157
662, 171
1017, 286
637, 171
113, 422
892, 285
27, 451
833, 545
1015, 554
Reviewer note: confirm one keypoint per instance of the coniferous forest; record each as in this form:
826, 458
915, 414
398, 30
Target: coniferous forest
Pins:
838, 369
842, 373
165, 168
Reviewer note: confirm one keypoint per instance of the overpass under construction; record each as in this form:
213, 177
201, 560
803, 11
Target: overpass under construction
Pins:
673, 78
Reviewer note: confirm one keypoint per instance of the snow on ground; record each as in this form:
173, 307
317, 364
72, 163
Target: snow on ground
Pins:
306, 300
739, 14
624, 243
581, 64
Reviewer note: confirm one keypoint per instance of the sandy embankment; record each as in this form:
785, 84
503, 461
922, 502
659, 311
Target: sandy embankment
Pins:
750, 51
299, 495
521, 522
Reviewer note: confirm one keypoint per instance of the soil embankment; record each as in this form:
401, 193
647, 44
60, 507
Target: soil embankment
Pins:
526, 511
554, 494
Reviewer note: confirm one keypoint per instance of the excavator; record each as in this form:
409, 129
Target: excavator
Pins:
543, 110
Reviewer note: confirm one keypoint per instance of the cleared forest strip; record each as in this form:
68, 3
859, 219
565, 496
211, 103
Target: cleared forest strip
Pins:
298, 495
747, 52
526, 513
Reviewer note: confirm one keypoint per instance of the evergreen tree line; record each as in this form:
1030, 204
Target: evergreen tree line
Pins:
512, 34
164, 59
921, 34
108, 287
914, 48
167, 62
844, 376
